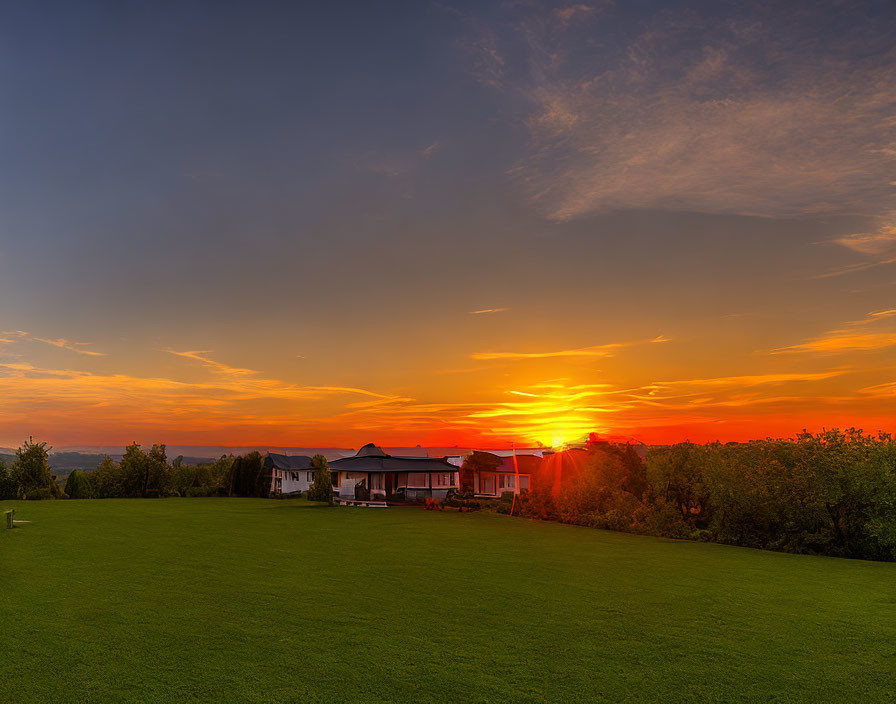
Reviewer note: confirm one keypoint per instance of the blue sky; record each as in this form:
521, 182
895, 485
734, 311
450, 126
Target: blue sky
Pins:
322, 194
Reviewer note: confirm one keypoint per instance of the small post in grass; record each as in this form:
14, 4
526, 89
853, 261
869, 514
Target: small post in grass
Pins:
9, 517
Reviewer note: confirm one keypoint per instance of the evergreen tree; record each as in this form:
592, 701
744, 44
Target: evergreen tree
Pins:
322, 488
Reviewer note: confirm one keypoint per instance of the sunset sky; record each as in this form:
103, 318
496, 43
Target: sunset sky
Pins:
316, 224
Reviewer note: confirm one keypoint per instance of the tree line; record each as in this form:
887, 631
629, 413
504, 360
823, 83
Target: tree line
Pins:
830, 493
140, 473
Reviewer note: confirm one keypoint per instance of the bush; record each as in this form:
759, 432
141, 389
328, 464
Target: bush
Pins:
462, 500
200, 491
43, 493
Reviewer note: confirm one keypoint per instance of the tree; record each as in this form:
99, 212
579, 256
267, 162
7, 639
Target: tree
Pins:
31, 472
8, 487
144, 473
248, 478
477, 462
157, 472
77, 486
133, 471
676, 473
322, 488
107, 480
259, 481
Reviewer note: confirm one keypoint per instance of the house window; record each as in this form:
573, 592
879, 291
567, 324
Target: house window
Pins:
334, 478
309, 477
417, 480
376, 481
442, 479
506, 481
524, 482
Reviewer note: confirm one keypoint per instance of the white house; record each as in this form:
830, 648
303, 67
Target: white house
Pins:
382, 476
513, 472
289, 473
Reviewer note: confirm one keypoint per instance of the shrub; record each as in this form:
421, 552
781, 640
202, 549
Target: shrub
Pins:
42, 493
462, 500
200, 491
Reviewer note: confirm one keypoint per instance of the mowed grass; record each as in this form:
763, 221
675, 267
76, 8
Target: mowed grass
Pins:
237, 600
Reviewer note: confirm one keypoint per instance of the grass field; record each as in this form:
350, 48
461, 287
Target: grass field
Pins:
237, 600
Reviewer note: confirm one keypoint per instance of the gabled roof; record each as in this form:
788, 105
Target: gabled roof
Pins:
293, 462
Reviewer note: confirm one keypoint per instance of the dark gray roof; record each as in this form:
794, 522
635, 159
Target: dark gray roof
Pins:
388, 463
292, 462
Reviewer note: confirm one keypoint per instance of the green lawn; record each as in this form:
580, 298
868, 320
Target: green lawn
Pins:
237, 600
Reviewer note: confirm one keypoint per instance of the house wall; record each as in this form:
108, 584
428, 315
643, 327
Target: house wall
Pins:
494, 480
286, 481
417, 485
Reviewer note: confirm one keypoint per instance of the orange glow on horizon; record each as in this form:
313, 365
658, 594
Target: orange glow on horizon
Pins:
553, 397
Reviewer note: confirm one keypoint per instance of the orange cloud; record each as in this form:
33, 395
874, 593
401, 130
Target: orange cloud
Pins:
593, 351
842, 342
217, 367
744, 380
850, 337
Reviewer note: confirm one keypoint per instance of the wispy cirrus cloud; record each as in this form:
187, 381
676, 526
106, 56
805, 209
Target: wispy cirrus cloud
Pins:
37, 396
885, 390
245, 379
740, 381
60, 342
854, 268
842, 341
606, 350
747, 109
217, 367
595, 351
861, 335
484, 311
